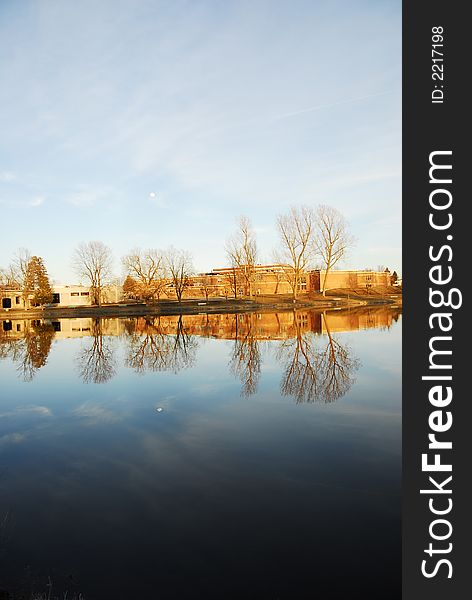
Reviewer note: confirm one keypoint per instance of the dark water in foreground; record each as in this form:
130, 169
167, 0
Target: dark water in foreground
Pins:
248, 456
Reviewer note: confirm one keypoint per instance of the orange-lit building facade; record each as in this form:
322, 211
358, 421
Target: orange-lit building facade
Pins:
275, 279
265, 280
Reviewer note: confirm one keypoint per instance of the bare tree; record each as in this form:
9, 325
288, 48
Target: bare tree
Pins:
147, 268
9, 278
297, 231
93, 262
233, 281
242, 253
21, 261
332, 239
179, 264
18, 272
206, 286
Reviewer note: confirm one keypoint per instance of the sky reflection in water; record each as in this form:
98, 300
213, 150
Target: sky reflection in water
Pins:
276, 456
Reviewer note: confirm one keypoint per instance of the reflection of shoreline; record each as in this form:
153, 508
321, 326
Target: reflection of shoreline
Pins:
264, 326
317, 367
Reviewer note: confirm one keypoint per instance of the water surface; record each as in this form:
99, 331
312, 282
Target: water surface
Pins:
206, 456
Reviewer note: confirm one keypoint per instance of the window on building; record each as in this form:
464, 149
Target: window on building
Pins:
17, 299
74, 293
84, 293
56, 298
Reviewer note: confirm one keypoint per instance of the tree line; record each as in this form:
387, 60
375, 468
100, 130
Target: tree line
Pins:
308, 238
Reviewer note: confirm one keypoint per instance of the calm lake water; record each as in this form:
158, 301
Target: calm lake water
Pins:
220, 456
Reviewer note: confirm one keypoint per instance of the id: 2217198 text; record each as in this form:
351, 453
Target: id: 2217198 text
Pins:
437, 67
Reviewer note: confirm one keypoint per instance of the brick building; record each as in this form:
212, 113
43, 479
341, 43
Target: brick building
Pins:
338, 279
227, 282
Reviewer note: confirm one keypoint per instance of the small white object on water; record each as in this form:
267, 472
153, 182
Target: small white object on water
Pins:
152, 194
159, 409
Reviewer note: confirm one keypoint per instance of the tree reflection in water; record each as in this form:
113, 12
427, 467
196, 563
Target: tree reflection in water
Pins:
9, 347
31, 351
96, 362
245, 361
317, 368
152, 347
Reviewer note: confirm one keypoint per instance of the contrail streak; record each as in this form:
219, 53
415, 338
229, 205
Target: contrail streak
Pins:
321, 106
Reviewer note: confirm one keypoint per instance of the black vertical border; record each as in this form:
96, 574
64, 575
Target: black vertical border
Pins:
428, 127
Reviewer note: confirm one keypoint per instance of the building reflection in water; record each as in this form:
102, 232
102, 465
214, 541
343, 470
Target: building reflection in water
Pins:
316, 365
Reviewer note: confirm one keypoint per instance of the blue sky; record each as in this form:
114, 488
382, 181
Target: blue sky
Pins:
219, 107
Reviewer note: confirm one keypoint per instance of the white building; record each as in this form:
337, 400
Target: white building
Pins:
63, 295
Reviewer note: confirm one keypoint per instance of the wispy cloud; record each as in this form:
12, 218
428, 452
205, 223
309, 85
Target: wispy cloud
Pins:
95, 414
36, 201
88, 196
27, 410
7, 176
12, 438
40, 410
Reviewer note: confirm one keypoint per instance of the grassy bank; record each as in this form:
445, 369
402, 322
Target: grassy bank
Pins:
334, 299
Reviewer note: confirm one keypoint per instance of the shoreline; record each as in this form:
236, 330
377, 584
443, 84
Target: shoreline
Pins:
186, 307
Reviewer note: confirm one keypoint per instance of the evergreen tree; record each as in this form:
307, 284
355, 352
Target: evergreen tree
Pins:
37, 282
129, 287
